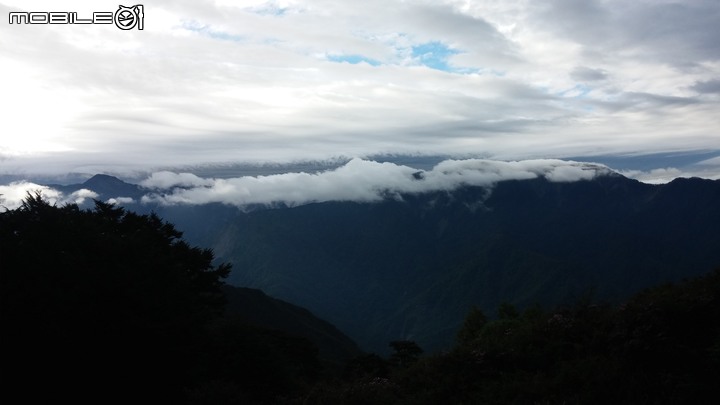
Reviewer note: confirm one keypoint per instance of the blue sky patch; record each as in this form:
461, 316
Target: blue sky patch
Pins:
434, 55
353, 59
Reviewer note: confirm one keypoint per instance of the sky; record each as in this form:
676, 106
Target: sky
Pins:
218, 83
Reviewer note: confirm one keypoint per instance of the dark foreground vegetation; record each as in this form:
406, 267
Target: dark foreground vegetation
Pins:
660, 347
108, 306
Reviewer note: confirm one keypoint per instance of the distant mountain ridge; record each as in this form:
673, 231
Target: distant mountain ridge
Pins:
412, 268
105, 186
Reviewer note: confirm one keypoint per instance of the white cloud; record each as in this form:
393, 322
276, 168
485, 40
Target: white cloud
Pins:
571, 173
79, 196
13, 194
665, 175
121, 200
365, 181
655, 176
166, 179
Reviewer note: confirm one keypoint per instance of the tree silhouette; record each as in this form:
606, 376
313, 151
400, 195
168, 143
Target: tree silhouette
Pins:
406, 353
470, 331
102, 300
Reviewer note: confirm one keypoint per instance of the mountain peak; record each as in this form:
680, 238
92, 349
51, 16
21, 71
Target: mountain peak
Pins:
110, 187
102, 179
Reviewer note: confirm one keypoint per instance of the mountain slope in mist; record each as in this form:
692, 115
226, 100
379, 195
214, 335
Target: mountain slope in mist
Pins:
411, 268
408, 262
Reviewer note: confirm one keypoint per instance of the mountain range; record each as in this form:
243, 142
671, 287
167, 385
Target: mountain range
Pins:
412, 266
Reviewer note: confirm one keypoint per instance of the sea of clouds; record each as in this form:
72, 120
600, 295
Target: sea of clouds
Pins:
357, 180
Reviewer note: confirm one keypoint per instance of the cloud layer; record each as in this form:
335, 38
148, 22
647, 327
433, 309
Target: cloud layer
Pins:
13, 194
358, 180
287, 80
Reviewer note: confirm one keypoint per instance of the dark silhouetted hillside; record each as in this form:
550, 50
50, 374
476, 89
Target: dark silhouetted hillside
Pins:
108, 306
256, 308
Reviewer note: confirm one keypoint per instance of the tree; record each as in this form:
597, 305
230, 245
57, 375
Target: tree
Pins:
368, 365
474, 322
102, 298
507, 311
406, 353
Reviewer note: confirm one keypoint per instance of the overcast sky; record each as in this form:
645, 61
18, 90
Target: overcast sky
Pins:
281, 81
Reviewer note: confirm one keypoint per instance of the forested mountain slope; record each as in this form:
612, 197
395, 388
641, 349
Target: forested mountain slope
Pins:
410, 267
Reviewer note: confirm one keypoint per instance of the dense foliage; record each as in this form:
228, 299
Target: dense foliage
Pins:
660, 347
105, 304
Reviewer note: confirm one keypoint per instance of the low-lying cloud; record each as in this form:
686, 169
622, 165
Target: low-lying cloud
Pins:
668, 174
167, 179
358, 180
13, 194
121, 200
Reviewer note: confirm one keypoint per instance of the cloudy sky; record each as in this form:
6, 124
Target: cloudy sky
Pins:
222, 82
